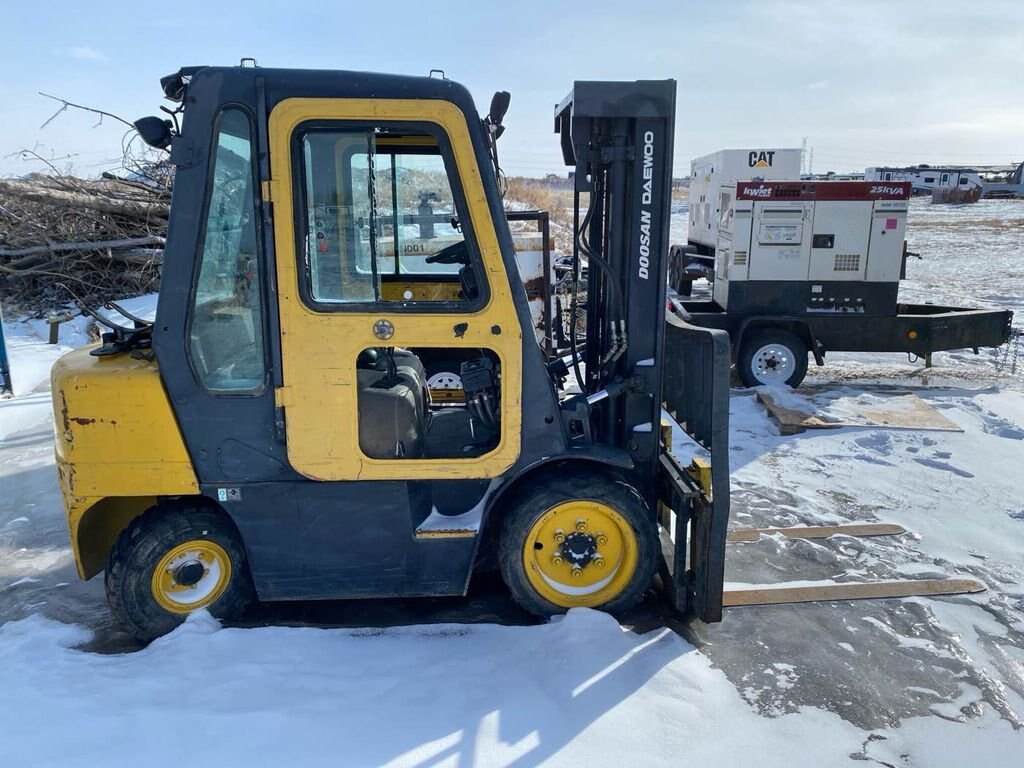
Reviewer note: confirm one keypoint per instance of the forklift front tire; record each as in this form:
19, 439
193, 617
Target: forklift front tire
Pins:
172, 561
772, 356
578, 542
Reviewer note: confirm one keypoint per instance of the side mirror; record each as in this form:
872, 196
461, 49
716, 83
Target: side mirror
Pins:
155, 131
499, 106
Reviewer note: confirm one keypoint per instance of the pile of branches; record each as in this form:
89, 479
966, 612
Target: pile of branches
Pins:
100, 238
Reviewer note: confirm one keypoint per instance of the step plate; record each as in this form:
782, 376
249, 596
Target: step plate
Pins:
743, 535
803, 592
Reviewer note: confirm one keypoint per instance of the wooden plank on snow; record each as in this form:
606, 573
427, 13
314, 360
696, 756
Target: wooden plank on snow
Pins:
817, 531
779, 594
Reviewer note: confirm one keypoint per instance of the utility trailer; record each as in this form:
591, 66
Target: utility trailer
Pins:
814, 267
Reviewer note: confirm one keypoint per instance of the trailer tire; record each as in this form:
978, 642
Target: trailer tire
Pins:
166, 544
772, 356
615, 551
444, 373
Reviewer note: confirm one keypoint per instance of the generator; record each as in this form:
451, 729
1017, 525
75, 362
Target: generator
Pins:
795, 248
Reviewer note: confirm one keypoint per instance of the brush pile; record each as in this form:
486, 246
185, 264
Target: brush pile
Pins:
100, 238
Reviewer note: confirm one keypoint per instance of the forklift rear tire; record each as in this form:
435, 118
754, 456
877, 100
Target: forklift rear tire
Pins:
171, 561
578, 542
772, 356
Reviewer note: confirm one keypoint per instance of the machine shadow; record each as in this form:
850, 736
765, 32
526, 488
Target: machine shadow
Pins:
581, 675
488, 601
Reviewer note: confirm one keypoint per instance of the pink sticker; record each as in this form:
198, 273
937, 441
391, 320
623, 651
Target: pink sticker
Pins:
890, 223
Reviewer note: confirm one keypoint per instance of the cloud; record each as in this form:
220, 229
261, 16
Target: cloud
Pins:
817, 85
85, 53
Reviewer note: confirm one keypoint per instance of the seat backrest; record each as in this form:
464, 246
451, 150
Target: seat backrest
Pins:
391, 419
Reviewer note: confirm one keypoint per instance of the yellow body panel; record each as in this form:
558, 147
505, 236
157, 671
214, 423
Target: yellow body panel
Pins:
118, 446
319, 349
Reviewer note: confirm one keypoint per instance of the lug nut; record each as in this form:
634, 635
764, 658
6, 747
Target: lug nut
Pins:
581, 525
601, 539
599, 562
577, 572
556, 560
559, 536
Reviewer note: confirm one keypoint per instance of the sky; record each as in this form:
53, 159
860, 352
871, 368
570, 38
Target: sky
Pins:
865, 82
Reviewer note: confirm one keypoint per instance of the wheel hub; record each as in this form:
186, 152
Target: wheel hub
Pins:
773, 362
580, 552
579, 548
192, 575
188, 574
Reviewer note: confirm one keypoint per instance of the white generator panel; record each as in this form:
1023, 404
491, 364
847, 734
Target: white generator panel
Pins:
799, 247
711, 174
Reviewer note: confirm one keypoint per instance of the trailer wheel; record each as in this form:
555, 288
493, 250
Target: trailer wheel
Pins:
576, 542
772, 356
444, 376
172, 561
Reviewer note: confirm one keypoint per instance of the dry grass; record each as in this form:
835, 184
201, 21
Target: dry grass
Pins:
542, 195
995, 225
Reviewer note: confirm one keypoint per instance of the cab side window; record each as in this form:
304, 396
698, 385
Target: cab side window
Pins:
226, 329
381, 221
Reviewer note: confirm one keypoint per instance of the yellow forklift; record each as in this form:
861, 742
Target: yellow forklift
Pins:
272, 434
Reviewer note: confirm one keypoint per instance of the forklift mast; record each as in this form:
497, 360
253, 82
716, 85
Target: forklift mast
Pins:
618, 137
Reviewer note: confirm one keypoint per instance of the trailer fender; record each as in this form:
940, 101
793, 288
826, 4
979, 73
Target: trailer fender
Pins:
795, 325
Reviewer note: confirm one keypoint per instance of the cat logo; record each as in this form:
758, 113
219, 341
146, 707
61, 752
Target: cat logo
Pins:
761, 159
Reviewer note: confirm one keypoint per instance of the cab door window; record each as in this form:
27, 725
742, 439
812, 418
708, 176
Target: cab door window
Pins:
382, 223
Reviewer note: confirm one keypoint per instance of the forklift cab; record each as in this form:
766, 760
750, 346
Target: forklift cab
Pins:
369, 284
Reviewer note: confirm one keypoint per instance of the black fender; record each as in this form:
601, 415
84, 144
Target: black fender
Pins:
612, 462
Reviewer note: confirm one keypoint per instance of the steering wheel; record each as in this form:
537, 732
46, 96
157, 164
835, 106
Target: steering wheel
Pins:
456, 253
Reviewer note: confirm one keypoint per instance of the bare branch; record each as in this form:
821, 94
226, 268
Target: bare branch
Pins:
96, 202
65, 104
84, 245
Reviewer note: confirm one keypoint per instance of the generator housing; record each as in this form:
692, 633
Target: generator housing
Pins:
810, 247
711, 174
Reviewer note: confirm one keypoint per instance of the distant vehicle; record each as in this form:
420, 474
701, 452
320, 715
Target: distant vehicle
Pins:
1005, 185
924, 178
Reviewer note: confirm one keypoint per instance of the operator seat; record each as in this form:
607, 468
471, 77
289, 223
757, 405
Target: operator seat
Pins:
392, 414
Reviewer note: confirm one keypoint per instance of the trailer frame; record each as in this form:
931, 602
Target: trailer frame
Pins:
916, 329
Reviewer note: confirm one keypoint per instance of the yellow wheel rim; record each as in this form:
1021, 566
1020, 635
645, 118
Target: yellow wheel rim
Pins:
191, 576
580, 553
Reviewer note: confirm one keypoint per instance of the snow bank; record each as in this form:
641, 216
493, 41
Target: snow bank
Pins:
573, 692
577, 691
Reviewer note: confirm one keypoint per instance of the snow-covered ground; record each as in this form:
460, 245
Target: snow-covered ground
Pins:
910, 682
